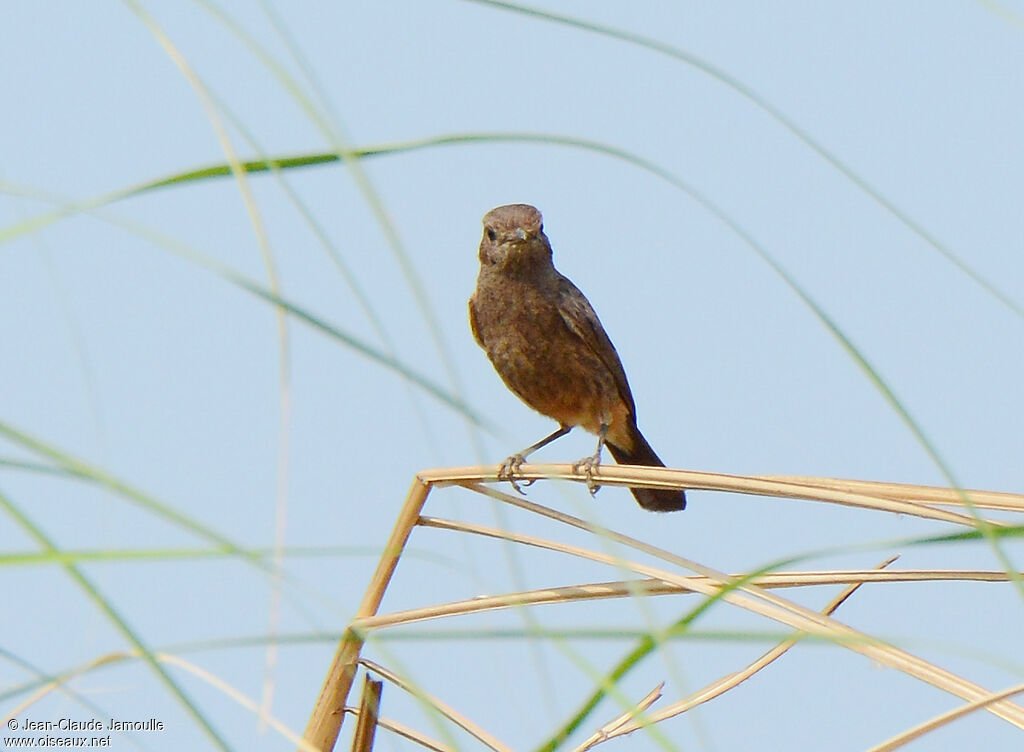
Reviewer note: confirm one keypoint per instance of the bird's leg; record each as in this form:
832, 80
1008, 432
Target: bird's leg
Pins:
507, 470
588, 465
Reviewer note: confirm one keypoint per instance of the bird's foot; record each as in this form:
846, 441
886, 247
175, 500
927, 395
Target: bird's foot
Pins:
509, 469
588, 466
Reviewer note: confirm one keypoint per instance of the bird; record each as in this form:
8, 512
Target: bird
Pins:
547, 344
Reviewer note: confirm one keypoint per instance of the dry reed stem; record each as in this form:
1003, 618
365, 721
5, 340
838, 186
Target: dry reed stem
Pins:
448, 712
744, 596
174, 660
613, 728
777, 609
369, 713
651, 477
325, 722
404, 731
237, 695
996, 500
723, 685
947, 717
651, 587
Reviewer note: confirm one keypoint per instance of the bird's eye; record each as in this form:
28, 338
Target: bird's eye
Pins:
491, 234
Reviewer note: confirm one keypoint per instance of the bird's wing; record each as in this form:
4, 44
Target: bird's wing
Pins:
472, 323
579, 316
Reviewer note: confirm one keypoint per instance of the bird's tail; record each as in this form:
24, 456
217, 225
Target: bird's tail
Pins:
651, 499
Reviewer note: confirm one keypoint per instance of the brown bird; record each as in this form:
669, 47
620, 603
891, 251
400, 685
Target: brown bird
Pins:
550, 349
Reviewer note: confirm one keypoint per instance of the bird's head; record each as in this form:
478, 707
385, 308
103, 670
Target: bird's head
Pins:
513, 235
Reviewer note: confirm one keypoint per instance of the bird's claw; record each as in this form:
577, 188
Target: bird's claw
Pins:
508, 470
588, 466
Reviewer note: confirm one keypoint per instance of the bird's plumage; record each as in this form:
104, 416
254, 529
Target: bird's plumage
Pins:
548, 345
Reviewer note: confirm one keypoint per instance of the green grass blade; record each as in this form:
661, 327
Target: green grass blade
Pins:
764, 105
859, 358
82, 470
107, 608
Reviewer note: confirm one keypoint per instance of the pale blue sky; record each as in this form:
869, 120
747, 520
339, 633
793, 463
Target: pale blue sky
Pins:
144, 363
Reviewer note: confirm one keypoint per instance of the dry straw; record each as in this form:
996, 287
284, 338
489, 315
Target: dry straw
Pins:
755, 593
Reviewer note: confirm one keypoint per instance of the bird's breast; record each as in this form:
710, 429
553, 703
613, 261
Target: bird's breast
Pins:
540, 359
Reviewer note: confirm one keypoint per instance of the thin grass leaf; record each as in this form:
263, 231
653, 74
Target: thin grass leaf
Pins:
734, 679
645, 647
78, 468
83, 470
748, 597
107, 608
380, 357
334, 133
445, 710
44, 683
944, 719
764, 105
65, 556
858, 357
